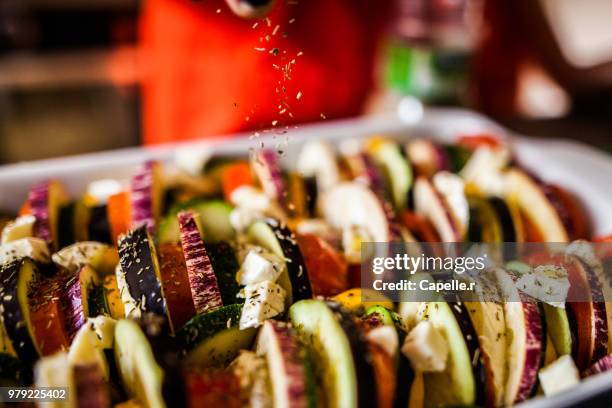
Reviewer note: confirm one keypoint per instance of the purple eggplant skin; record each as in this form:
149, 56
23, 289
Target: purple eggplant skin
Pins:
73, 304
12, 314
270, 174
296, 268
202, 279
471, 340
364, 371
372, 175
600, 366
294, 356
142, 197
600, 348
38, 200
138, 261
90, 388
535, 353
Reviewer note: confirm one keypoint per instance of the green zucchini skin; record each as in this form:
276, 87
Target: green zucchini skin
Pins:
366, 381
214, 338
202, 327
473, 345
225, 266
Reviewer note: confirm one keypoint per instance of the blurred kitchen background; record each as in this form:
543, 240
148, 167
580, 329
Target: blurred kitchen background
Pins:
85, 75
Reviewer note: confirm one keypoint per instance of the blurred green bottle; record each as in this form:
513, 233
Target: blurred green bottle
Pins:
430, 49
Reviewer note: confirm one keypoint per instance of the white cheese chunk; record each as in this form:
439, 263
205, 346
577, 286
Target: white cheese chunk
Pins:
22, 227
548, 283
426, 348
452, 188
315, 226
249, 197
241, 218
101, 190
352, 237
263, 301
385, 337
252, 203
558, 376
259, 266
318, 159
585, 251
484, 170
192, 160
34, 248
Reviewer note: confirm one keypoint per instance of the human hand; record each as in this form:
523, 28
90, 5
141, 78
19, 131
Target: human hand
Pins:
250, 8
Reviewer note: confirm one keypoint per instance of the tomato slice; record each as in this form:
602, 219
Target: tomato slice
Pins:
119, 211
419, 226
25, 209
384, 369
531, 233
579, 223
175, 283
213, 389
235, 175
327, 268
47, 317
582, 324
477, 140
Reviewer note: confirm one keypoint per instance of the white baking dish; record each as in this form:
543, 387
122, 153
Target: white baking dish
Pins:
579, 168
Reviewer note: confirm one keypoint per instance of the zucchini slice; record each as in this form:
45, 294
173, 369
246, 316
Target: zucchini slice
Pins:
100, 256
457, 384
340, 353
276, 237
225, 265
140, 374
214, 215
388, 156
214, 338
17, 282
